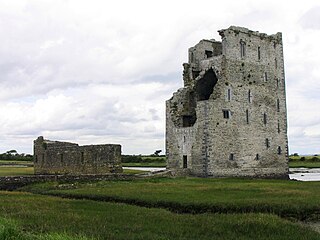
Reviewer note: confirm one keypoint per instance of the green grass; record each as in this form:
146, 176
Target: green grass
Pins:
56, 218
147, 164
16, 171
304, 164
300, 200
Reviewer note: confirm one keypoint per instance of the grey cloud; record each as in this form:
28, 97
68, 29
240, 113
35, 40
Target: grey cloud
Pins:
311, 19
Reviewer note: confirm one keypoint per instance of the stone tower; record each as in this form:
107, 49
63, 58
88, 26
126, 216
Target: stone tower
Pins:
230, 118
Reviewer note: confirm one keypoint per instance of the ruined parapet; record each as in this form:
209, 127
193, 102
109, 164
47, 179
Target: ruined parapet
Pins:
53, 157
230, 118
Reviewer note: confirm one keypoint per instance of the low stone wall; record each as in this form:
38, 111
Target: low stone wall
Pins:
14, 182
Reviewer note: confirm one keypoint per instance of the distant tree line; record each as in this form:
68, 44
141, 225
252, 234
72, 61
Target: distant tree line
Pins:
14, 155
143, 159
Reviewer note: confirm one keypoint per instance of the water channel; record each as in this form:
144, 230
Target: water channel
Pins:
300, 174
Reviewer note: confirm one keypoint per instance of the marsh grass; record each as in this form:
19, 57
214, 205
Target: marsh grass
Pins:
16, 171
46, 217
291, 199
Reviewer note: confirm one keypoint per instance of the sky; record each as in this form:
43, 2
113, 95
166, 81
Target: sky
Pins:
97, 72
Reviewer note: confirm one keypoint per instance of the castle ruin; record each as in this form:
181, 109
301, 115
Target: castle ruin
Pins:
53, 157
229, 119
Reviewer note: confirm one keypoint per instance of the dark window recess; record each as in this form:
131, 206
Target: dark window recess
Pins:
61, 157
226, 113
259, 53
229, 94
242, 49
204, 86
277, 82
279, 150
231, 156
184, 139
247, 116
264, 118
188, 121
265, 76
249, 96
195, 74
185, 161
82, 157
278, 105
257, 157
267, 143
276, 63
278, 127
208, 53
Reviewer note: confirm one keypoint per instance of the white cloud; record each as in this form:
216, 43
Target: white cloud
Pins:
98, 72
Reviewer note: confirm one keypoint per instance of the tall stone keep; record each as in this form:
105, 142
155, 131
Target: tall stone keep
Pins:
229, 119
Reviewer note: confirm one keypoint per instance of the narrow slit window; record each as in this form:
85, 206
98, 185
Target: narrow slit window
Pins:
277, 82
82, 157
264, 118
276, 63
278, 105
249, 96
185, 161
259, 54
267, 143
278, 127
279, 150
226, 114
228, 94
231, 157
265, 76
242, 49
257, 157
61, 157
247, 116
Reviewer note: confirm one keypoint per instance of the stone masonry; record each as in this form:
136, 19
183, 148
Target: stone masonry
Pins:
229, 119
53, 157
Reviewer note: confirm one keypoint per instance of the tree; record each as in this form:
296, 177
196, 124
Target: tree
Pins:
157, 152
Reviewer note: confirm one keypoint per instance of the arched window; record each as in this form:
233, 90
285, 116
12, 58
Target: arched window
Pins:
242, 49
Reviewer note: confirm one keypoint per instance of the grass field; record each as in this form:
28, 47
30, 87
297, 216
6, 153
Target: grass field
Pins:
45, 215
304, 164
300, 200
15, 171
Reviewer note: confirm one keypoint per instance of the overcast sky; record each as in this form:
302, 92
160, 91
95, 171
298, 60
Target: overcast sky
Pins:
100, 71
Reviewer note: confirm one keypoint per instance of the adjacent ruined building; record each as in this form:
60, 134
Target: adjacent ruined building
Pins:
53, 157
230, 118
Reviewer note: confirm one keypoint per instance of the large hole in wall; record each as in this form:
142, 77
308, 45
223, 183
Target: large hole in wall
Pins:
204, 86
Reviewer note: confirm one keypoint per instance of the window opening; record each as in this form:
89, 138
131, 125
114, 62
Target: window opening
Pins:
259, 53
242, 49
278, 126
267, 143
231, 156
265, 76
226, 114
185, 161
279, 150
247, 116
208, 53
82, 157
265, 118
229, 94
257, 157
278, 105
249, 96
276, 63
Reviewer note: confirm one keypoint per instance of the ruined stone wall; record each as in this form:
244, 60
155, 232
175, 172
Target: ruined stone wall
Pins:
53, 157
241, 128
